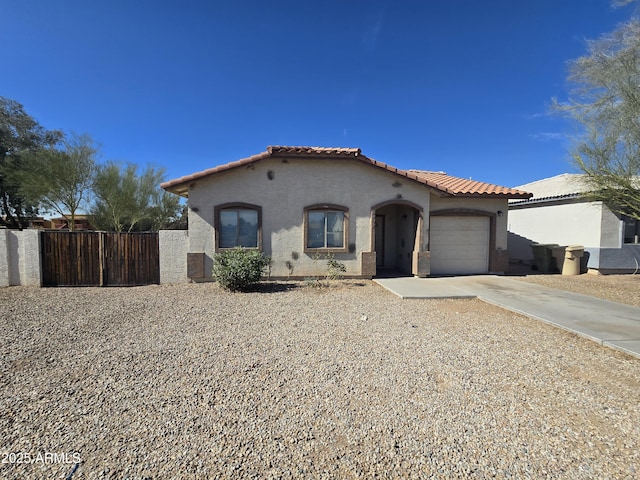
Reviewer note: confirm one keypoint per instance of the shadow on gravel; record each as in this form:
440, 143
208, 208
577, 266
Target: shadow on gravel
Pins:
273, 287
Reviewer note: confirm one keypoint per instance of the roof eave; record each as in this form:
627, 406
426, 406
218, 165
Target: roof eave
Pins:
506, 195
180, 186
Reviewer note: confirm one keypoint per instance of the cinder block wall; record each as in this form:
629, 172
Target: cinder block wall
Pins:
174, 245
20, 258
4, 257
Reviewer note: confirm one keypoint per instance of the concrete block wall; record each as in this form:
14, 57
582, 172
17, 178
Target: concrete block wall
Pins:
4, 257
174, 245
20, 258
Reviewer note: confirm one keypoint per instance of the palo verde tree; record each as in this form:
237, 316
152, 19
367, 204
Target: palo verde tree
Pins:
606, 104
21, 138
59, 179
126, 201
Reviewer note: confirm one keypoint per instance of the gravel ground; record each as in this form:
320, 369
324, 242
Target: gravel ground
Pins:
341, 382
617, 288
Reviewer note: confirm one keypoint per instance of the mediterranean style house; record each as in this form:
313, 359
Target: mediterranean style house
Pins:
300, 204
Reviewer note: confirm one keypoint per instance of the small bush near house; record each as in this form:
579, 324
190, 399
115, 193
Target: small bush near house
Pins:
335, 269
238, 269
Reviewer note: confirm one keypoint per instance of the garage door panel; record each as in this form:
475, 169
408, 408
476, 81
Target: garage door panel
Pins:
459, 244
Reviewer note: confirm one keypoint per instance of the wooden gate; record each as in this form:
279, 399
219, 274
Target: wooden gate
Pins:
131, 258
99, 258
70, 258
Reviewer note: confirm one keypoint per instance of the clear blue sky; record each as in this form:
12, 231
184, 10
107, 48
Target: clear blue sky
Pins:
459, 86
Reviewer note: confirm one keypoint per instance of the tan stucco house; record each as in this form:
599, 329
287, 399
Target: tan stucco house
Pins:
298, 204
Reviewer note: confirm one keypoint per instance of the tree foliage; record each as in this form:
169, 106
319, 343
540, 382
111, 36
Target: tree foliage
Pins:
21, 138
181, 222
60, 178
126, 201
606, 103
45, 169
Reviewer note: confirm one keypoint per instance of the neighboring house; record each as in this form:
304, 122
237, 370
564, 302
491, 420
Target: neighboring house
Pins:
298, 204
59, 223
33, 222
559, 213
81, 222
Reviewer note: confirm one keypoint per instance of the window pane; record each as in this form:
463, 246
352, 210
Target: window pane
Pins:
248, 228
315, 230
335, 229
631, 229
228, 228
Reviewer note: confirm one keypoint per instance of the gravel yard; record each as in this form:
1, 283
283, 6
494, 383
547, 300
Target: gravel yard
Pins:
296, 382
617, 288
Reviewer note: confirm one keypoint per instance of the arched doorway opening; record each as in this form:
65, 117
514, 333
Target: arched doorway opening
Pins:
396, 237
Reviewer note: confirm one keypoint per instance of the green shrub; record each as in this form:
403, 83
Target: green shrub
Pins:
239, 269
335, 269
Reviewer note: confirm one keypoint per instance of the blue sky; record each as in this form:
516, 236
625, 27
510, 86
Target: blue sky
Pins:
452, 85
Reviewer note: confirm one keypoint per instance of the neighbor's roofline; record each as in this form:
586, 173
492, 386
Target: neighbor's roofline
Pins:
180, 186
549, 199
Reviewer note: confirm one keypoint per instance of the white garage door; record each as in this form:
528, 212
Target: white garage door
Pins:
459, 245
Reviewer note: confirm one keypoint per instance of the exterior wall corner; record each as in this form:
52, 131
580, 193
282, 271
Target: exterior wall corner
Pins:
499, 261
4, 257
368, 264
421, 264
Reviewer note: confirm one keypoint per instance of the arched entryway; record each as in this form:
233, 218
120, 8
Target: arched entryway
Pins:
396, 237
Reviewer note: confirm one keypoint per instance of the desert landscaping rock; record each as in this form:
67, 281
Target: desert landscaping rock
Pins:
347, 381
616, 288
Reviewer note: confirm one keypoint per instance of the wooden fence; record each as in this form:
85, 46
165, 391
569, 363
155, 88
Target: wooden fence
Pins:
99, 258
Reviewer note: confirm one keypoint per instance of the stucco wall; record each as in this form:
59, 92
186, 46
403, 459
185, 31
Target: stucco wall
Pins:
173, 246
20, 258
612, 229
4, 257
564, 224
294, 184
620, 260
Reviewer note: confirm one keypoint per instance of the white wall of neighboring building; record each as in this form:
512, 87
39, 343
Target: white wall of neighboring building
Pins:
612, 229
557, 214
564, 224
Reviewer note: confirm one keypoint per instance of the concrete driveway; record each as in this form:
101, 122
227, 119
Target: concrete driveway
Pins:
608, 323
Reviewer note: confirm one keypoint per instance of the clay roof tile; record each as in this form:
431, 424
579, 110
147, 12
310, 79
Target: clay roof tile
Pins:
439, 181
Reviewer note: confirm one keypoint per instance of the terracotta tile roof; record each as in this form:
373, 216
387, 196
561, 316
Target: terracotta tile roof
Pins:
466, 187
441, 182
313, 151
